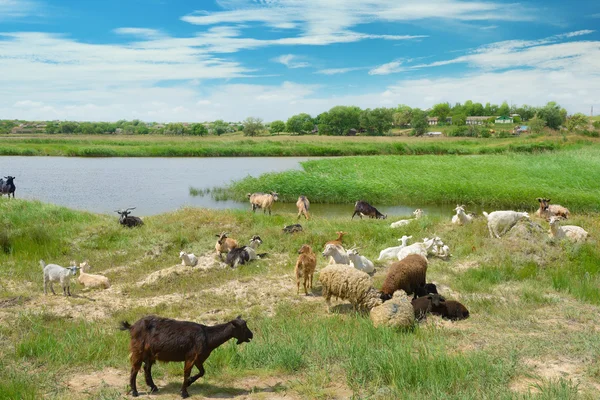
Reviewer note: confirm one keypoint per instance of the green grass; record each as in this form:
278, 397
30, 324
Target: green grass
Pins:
515, 286
513, 181
285, 145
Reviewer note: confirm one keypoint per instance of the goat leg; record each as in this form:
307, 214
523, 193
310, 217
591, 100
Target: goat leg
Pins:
200, 374
135, 367
187, 370
148, 376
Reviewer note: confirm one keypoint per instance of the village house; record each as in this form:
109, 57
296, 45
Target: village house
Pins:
504, 120
476, 120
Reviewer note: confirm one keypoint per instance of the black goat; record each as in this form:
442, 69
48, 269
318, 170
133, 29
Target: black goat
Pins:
425, 304
292, 228
241, 255
161, 339
7, 187
129, 220
363, 208
428, 288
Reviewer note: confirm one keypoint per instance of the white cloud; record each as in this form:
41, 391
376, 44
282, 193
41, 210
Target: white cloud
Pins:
10, 9
291, 61
389, 68
140, 32
489, 27
336, 71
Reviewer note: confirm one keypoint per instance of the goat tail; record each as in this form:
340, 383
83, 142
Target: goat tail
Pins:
43, 264
125, 326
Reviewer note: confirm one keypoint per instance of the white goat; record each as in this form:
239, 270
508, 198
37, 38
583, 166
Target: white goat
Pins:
423, 248
461, 218
56, 273
572, 232
392, 252
188, 259
500, 222
418, 213
337, 253
359, 262
89, 280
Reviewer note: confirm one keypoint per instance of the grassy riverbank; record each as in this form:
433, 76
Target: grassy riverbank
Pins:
285, 145
569, 177
532, 333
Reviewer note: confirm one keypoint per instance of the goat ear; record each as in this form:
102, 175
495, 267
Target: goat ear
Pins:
548, 200
539, 199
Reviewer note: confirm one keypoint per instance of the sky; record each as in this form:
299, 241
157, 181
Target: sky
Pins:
202, 60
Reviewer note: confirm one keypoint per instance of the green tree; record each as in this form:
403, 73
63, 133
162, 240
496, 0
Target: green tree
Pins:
68, 127
142, 129
253, 126
478, 110
277, 127
459, 119
403, 115
300, 123
378, 121
219, 127
577, 121
537, 124
442, 111
553, 114
52, 127
504, 109
339, 120
419, 122
198, 130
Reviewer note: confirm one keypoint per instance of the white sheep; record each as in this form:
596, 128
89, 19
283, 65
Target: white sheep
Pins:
423, 248
572, 232
392, 252
500, 222
337, 254
418, 213
189, 259
56, 273
89, 280
461, 218
359, 262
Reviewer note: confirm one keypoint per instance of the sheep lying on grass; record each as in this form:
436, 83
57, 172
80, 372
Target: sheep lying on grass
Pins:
438, 305
396, 312
408, 275
305, 267
89, 280
56, 273
424, 248
500, 222
347, 283
572, 232
189, 259
418, 213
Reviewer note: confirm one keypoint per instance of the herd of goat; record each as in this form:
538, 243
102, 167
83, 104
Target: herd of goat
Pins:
348, 276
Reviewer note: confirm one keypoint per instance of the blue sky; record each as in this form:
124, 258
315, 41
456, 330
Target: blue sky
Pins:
202, 60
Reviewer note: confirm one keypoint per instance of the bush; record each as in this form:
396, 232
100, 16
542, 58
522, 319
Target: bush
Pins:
589, 133
461, 130
503, 134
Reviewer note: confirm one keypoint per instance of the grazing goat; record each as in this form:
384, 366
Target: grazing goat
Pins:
572, 232
189, 259
362, 208
129, 220
161, 339
547, 210
262, 200
305, 268
89, 280
241, 255
423, 249
338, 241
408, 275
337, 253
292, 228
392, 252
7, 187
56, 273
418, 213
500, 222
224, 244
303, 205
461, 218
359, 262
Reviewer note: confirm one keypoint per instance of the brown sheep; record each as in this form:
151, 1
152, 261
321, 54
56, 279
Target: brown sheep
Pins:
450, 309
548, 210
423, 305
262, 200
224, 244
305, 267
303, 204
408, 275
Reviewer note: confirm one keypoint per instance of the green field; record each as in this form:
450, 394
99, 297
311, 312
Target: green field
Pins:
284, 145
532, 334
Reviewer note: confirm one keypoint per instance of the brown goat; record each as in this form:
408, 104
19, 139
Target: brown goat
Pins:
262, 200
224, 244
305, 267
303, 204
408, 275
161, 339
338, 241
548, 210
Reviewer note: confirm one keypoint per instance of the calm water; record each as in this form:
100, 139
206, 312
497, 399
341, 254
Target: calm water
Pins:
153, 185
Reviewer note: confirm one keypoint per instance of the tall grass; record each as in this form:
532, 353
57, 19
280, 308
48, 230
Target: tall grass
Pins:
508, 180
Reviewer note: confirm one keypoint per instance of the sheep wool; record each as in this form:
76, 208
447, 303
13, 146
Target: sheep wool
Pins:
407, 275
396, 313
347, 283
